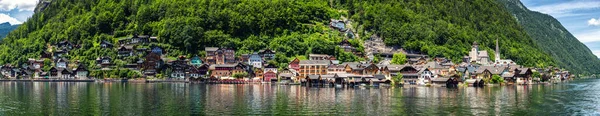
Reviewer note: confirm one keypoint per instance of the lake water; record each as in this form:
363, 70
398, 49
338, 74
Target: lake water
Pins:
580, 97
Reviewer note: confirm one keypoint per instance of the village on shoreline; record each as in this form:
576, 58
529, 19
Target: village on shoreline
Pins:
221, 65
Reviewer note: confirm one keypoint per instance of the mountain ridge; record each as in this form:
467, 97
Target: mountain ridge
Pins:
549, 34
6, 28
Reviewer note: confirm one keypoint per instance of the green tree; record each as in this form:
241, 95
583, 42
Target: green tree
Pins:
397, 79
240, 75
399, 58
497, 79
536, 75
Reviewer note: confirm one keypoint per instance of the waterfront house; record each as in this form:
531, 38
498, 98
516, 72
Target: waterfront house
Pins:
270, 72
126, 50
267, 54
81, 72
313, 80
26, 73
61, 63
106, 44
295, 64
287, 74
197, 72
353, 68
313, 67
6, 70
371, 69
523, 75
196, 61
425, 76
179, 67
409, 74
54, 72
226, 70
202, 70
103, 62
441, 81
36, 67
258, 73
270, 76
65, 73
255, 60
483, 72
152, 64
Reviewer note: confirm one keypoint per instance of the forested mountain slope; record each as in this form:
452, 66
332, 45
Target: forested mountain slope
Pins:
554, 39
448, 28
436, 27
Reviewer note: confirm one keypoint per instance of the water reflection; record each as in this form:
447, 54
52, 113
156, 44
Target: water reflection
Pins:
42, 98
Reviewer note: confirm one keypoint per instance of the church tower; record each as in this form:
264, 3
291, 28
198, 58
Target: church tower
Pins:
497, 56
474, 51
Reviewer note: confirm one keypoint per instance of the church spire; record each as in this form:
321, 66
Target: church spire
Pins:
497, 56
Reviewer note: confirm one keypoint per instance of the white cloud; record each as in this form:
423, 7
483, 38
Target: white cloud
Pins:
566, 8
5, 18
588, 36
594, 22
22, 5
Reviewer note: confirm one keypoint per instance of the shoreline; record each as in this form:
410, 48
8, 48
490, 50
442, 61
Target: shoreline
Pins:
225, 82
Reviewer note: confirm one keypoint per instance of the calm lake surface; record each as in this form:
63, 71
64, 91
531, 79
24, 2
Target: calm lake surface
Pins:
580, 97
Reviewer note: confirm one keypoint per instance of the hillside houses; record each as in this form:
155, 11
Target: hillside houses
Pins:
137, 55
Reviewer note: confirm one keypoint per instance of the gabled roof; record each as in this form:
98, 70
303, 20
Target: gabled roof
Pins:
317, 55
483, 54
315, 62
482, 69
313, 76
211, 49
81, 67
395, 67
440, 79
433, 65
380, 77
62, 60
497, 70
105, 42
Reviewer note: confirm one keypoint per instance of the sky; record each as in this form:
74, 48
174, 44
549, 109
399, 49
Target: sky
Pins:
580, 17
16, 11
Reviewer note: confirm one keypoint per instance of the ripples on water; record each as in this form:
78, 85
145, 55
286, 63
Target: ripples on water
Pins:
26, 98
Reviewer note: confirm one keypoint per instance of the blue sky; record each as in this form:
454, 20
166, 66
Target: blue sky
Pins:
580, 17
